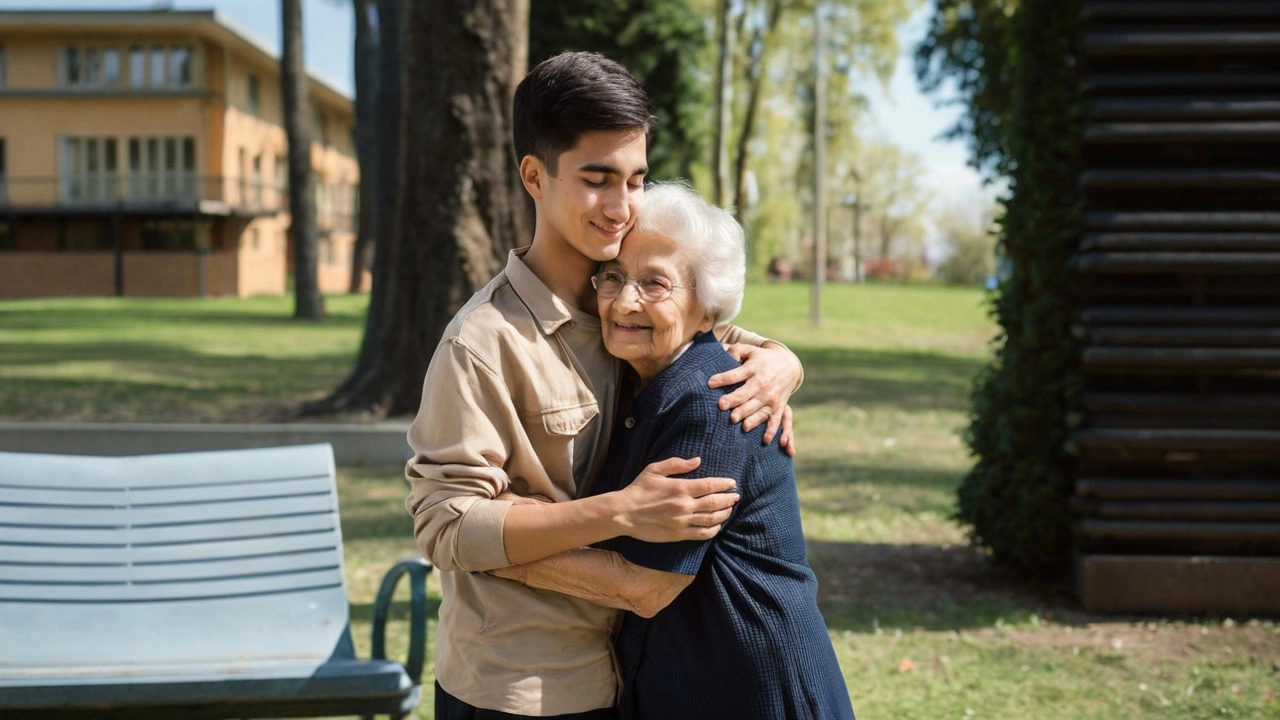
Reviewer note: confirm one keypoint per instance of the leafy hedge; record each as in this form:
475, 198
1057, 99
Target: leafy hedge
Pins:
1025, 122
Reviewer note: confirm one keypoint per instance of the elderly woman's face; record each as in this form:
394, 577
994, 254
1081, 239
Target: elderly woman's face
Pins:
647, 333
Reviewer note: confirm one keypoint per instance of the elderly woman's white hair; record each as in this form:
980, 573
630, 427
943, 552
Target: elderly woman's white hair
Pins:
712, 242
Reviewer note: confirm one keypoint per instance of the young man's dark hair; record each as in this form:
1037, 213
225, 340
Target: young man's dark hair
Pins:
575, 93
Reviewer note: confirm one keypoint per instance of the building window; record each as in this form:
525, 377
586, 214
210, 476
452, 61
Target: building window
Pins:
87, 170
180, 66
169, 235
162, 169
323, 197
111, 65
155, 66
255, 180
92, 67
85, 235
69, 61
89, 66
137, 66
282, 181
324, 248
7, 241
253, 100
321, 125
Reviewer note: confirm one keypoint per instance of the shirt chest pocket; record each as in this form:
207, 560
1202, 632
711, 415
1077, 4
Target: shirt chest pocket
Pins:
568, 421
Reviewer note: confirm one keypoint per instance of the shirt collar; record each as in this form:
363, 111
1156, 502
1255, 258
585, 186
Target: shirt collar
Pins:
549, 310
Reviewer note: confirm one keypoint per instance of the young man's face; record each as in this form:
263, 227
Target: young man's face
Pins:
590, 204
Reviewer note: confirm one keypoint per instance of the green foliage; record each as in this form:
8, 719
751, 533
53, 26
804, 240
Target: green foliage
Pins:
970, 43
972, 247
971, 261
861, 48
1026, 111
663, 43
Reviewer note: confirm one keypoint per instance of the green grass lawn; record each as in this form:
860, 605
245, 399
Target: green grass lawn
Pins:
924, 627
169, 360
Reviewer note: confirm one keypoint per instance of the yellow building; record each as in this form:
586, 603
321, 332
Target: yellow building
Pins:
143, 153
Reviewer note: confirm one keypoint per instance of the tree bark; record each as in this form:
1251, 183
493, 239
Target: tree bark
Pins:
296, 96
723, 107
755, 76
460, 203
366, 86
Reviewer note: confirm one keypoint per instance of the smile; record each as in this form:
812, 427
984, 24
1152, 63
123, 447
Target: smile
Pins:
630, 328
615, 232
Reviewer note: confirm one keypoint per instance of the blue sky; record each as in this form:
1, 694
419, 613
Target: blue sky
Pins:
902, 114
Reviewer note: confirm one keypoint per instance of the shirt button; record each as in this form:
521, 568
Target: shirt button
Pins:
629, 422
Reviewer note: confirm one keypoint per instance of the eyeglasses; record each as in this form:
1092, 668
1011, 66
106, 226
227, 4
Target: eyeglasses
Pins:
652, 288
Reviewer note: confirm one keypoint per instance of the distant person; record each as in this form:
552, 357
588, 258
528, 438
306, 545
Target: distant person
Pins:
780, 270
722, 628
519, 400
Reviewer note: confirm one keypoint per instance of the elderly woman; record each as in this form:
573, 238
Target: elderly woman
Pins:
726, 628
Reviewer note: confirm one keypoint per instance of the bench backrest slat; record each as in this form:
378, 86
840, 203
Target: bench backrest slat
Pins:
217, 557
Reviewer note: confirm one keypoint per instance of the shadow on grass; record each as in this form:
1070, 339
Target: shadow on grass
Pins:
835, 487
866, 587
161, 382
137, 313
823, 474
908, 380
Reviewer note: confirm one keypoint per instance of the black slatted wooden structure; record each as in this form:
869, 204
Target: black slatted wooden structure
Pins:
1177, 276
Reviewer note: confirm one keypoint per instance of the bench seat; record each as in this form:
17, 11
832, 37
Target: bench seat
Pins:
193, 585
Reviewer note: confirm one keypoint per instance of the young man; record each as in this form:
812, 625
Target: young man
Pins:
519, 399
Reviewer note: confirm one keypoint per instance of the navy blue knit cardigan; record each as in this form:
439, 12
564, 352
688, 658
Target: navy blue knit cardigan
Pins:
745, 639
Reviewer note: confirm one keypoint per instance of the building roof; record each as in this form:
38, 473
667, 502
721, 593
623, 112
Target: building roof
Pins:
210, 24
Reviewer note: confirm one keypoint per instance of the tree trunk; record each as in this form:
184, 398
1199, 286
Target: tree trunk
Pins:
296, 97
362, 390
460, 202
723, 107
366, 76
755, 76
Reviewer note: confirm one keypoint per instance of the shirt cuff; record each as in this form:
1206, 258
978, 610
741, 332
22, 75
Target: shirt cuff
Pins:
480, 545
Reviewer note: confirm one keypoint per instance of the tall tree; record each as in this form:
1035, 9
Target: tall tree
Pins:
761, 37
459, 202
723, 104
664, 44
776, 71
295, 93
366, 86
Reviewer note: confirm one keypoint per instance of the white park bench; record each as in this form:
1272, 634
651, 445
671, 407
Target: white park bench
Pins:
190, 585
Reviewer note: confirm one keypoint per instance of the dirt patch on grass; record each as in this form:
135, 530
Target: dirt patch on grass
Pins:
957, 588
1255, 641
919, 577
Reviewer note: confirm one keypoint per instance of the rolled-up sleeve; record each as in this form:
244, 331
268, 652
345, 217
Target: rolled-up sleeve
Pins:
731, 334
461, 440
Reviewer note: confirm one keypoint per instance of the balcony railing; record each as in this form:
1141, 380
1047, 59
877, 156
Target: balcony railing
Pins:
141, 191
163, 191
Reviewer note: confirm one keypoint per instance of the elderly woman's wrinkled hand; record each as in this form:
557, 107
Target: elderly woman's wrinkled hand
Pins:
769, 375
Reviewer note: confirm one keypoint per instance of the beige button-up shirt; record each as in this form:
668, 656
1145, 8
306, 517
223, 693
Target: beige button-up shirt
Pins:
519, 395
